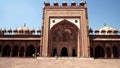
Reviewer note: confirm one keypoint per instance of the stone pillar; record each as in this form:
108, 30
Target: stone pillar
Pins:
1, 50
93, 51
105, 52
59, 51
11, 51
70, 50
18, 51
35, 51
25, 50
111, 49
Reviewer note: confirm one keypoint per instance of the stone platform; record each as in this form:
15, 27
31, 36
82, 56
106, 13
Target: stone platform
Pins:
41, 62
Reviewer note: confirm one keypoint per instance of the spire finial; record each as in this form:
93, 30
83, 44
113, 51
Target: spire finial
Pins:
105, 25
24, 24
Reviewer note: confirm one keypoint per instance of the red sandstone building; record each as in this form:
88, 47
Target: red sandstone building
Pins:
65, 33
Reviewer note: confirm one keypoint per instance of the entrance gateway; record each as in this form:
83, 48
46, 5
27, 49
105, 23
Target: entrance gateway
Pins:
65, 30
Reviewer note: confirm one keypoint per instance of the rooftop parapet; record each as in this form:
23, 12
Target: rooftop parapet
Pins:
65, 4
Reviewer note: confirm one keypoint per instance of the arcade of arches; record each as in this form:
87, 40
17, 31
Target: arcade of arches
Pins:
100, 51
19, 51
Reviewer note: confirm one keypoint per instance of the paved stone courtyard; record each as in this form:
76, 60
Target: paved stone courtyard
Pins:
58, 63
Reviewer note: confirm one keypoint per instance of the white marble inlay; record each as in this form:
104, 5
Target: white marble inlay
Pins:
57, 20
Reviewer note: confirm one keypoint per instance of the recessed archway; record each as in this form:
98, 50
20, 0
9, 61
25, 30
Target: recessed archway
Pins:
115, 52
54, 52
15, 51
99, 52
64, 52
30, 51
74, 53
91, 52
6, 51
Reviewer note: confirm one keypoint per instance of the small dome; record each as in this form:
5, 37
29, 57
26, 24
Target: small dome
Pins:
10, 30
90, 30
23, 28
39, 30
107, 28
4, 30
55, 3
15, 30
96, 31
32, 30
73, 3
82, 3
64, 3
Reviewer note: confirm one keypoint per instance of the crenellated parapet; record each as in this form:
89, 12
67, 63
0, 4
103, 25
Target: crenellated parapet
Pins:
105, 30
24, 30
81, 4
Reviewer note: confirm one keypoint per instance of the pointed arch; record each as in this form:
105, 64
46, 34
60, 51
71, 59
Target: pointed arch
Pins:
54, 52
99, 52
6, 50
30, 51
91, 52
74, 53
115, 52
64, 52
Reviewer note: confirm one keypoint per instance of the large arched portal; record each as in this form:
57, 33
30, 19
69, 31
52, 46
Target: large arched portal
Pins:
30, 51
63, 34
6, 51
99, 52
64, 52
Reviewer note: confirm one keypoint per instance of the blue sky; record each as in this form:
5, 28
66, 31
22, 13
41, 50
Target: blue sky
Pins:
16, 13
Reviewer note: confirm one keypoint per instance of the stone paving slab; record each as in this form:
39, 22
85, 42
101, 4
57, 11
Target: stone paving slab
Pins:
58, 63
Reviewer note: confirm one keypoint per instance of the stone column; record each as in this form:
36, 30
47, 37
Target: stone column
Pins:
25, 50
105, 52
11, 51
18, 51
35, 51
111, 49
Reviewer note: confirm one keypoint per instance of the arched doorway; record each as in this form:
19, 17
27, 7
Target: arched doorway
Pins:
64, 52
54, 52
91, 52
15, 51
21, 52
30, 51
73, 53
6, 51
99, 52
115, 52
108, 52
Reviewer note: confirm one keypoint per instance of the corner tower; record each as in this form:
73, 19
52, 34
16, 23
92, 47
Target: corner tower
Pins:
65, 30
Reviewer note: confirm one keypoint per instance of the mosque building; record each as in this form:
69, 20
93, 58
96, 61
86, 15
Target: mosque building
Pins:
64, 33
